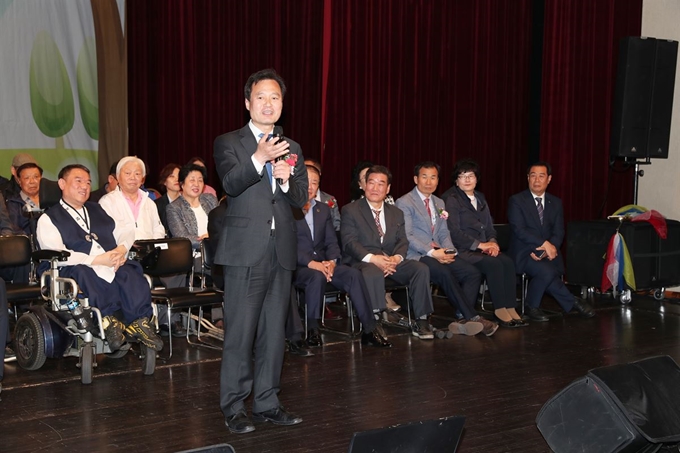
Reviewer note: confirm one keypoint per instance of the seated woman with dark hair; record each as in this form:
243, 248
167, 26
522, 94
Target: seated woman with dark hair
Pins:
206, 188
188, 214
471, 228
168, 184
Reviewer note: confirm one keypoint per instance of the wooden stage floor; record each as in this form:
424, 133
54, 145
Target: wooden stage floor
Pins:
498, 383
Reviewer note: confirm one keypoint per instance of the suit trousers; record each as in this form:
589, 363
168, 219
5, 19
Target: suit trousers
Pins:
344, 278
546, 278
414, 274
4, 326
127, 292
460, 282
501, 279
294, 329
255, 309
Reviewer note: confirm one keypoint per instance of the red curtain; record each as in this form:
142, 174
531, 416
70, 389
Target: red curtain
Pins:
581, 45
392, 82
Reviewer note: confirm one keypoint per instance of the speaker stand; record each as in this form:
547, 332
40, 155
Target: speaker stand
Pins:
639, 173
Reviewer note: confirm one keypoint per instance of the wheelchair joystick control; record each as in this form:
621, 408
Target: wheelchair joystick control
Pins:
81, 316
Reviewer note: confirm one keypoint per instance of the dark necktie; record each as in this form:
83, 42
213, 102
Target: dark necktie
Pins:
268, 164
429, 212
539, 208
377, 222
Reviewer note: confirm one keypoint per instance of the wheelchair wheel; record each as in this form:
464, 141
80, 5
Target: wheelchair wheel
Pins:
86, 363
29, 342
148, 360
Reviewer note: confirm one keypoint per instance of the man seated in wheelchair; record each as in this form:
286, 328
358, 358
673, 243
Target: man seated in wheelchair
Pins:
97, 263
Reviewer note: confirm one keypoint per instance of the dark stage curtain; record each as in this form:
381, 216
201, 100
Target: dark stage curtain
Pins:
581, 45
190, 59
392, 82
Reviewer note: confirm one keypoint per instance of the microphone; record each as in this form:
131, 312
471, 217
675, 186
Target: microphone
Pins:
277, 134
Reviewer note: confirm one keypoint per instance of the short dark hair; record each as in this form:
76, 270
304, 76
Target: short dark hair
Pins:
112, 170
314, 170
540, 163
464, 166
264, 74
196, 158
314, 163
63, 173
184, 172
425, 164
163, 175
380, 169
29, 165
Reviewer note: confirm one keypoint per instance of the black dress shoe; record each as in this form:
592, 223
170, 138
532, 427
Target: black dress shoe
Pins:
299, 348
512, 324
520, 322
314, 338
375, 339
239, 423
584, 308
277, 416
176, 329
536, 314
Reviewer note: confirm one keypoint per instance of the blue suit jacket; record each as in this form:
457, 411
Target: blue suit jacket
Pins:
324, 246
527, 231
418, 226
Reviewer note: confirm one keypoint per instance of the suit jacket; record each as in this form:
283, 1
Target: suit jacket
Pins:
419, 227
527, 230
252, 205
360, 235
324, 246
469, 226
333, 205
182, 220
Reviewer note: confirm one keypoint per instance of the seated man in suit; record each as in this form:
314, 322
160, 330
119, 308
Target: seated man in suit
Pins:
98, 260
318, 255
430, 243
374, 241
537, 223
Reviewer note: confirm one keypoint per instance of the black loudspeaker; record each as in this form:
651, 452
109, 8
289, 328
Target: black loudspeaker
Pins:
622, 408
643, 101
440, 436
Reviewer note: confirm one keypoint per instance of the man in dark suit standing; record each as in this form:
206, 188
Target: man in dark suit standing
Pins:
537, 223
258, 251
318, 257
374, 241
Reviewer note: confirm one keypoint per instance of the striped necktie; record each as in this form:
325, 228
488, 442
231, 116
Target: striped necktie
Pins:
539, 208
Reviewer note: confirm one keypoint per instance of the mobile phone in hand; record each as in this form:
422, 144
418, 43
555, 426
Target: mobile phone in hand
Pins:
450, 251
540, 254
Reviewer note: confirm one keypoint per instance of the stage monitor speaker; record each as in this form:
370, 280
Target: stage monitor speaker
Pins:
626, 408
440, 436
643, 101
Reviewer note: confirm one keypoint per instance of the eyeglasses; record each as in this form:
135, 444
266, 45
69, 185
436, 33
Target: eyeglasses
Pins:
467, 176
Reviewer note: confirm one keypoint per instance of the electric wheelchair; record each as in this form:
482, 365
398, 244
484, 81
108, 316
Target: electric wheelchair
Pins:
54, 330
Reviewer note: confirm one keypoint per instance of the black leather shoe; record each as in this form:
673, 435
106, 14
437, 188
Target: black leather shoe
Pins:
239, 423
375, 339
536, 314
299, 348
584, 308
177, 330
520, 322
512, 324
314, 338
277, 416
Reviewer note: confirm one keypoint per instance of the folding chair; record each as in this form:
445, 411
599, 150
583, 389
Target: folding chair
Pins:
171, 257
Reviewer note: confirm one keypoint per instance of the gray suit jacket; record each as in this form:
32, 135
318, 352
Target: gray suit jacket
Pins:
252, 205
418, 226
182, 221
360, 234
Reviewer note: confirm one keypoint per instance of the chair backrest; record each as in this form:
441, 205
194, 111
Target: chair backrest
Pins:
503, 233
171, 256
15, 251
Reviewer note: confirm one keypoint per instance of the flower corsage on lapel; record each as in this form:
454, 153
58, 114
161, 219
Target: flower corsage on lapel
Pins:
442, 213
291, 159
332, 202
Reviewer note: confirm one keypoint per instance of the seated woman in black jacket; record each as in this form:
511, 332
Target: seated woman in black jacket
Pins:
471, 227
